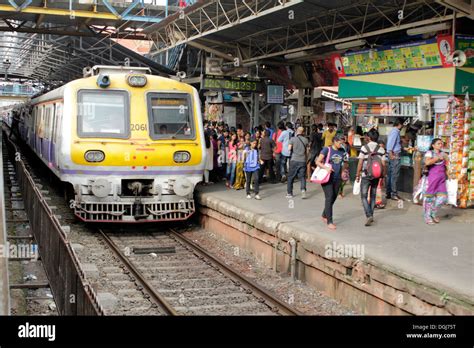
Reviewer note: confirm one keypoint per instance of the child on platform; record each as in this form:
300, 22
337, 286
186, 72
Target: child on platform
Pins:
252, 169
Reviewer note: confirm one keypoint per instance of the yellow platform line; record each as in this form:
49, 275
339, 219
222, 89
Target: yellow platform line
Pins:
60, 12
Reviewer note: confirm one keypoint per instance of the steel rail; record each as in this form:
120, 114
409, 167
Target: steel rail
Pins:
278, 305
158, 299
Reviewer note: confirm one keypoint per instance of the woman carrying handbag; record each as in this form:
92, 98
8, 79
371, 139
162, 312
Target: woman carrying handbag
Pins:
331, 160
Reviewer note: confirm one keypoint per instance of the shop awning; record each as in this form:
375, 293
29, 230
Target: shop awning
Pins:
405, 83
464, 81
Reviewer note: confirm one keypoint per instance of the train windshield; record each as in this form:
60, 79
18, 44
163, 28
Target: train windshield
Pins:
170, 116
103, 114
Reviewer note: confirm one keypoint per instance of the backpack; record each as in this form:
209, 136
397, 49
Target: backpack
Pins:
374, 163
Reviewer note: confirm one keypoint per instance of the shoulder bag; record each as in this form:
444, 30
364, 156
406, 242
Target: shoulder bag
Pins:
320, 175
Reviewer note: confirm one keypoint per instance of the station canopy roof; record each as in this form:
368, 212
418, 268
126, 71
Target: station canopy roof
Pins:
276, 30
53, 40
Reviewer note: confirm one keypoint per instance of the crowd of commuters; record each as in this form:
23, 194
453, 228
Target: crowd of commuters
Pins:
246, 159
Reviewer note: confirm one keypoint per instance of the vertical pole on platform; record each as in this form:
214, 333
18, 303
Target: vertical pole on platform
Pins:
166, 16
255, 119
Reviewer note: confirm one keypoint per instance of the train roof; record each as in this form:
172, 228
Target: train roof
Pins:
51, 95
58, 93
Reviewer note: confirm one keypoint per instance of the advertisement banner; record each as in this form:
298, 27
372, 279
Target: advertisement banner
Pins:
445, 47
418, 55
337, 64
466, 44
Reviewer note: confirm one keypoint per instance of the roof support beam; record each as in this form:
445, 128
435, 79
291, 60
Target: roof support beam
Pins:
70, 32
175, 30
355, 37
211, 50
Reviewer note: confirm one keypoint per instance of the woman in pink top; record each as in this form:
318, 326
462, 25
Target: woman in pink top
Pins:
231, 160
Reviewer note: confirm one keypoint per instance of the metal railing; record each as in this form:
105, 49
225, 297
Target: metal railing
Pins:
71, 291
4, 279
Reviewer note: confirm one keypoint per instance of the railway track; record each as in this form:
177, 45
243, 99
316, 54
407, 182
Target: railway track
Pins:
187, 280
144, 272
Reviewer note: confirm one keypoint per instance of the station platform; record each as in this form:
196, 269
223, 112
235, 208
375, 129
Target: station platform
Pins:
406, 263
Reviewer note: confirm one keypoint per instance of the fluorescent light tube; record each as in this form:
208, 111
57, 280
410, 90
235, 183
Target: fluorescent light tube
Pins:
428, 29
299, 54
350, 44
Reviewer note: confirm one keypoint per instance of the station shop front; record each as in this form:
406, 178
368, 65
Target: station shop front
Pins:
434, 103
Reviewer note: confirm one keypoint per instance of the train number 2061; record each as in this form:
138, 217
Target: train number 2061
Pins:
138, 127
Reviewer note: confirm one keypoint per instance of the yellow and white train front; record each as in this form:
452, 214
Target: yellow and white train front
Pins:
136, 147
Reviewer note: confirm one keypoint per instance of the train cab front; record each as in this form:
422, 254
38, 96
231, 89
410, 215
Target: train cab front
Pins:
137, 148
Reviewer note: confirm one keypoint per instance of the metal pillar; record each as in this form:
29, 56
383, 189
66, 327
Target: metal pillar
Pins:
255, 110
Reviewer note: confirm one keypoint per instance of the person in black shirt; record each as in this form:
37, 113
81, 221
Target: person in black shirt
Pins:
316, 143
266, 156
337, 158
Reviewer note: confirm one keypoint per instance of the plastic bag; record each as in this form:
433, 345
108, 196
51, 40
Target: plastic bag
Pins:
452, 188
420, 189
356, 187
379, 195
357, 140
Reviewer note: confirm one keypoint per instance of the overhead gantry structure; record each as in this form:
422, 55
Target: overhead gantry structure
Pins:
255, 30
83, 17
53, 40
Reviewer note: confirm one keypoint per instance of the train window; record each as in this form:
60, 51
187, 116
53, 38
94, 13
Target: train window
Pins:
48, 118
40, 122
103, 114
169, 116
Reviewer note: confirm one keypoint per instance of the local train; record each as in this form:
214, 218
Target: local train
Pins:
129, 145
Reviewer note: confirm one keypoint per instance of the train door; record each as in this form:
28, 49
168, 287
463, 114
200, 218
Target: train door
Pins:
49, 114
56, 133
39, 126
30, 119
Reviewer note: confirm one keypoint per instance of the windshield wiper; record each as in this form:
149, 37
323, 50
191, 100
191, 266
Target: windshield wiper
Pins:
179, 130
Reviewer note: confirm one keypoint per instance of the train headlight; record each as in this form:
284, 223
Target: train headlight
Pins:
103, 81
137, 80
94, 156
182, 156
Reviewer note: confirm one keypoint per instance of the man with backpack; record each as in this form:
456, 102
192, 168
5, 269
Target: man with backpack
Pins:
371, 169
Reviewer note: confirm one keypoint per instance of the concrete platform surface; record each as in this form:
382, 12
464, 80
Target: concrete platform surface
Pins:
441, 256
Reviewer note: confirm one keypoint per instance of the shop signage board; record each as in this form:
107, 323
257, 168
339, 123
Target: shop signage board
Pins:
393, 108
466, 44
275, 94
227, 83
425, 54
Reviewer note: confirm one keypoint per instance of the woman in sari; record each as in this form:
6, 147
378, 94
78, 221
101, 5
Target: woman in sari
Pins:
239, 170
436, 194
